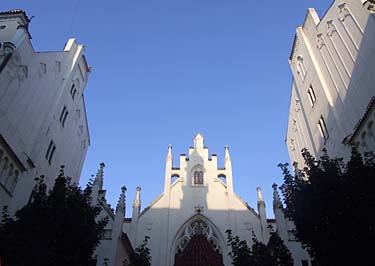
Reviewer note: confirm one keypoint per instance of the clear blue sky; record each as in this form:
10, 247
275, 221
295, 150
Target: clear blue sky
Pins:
164, 69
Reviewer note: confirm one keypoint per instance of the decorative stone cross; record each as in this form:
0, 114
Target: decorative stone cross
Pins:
198, 209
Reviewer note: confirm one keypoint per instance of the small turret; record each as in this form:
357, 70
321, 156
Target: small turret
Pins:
228, 170
137, 203
15, 32
121, 202
97, 187
198, 141
135, 215
281, 225
276, 198
119, 214
263, 217
168, 170
260, 196
117, 227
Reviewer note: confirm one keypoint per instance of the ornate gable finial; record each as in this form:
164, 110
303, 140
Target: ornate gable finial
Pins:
99, 176
276, 198
227, 155
198, 141
121, 201
137, 199
169, 155
260, 196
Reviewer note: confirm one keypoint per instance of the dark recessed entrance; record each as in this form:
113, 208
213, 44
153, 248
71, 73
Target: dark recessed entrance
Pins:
199, 252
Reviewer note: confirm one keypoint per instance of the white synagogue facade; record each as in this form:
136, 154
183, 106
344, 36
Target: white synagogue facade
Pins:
199, 202
332, 102
43, 121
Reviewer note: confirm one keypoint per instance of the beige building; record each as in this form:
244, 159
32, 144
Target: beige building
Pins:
333, 66
42, 111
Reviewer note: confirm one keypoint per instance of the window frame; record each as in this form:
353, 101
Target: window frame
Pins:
63, 115
323, 129
50, 151
198, 177
312, 95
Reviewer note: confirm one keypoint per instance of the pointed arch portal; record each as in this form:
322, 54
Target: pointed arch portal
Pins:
198, 244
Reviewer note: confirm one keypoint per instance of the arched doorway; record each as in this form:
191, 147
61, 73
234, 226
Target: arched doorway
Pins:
198, 245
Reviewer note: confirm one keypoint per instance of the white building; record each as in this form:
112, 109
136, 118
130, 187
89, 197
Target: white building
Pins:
333, 66
199, 199
114, 247
42, 111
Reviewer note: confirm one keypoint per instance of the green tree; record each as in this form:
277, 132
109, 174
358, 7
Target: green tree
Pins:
274, 254
331, 204
260, 254
240, 252
56, 227
278, 250
141, 255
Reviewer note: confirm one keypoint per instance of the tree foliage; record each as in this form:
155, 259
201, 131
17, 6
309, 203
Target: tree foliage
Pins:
56, 227
275, 253
278, 250
240, 253
331, 204
141, 255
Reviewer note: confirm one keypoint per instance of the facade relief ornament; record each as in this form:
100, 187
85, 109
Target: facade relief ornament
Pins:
343, 12
331, 28
292, 145
13, 64
22, 72
297, 107
370, 6
294, 125
320, 41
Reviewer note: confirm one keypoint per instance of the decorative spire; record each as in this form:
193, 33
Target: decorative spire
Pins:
227, 155
198, 141
121, 201
137, 200
169, 155
276, 198
260, 196
99, 176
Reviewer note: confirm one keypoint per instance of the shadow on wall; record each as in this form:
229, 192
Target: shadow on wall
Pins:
195, 206
351, 106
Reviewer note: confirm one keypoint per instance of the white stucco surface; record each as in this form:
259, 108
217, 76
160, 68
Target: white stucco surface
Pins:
34, 88
334, 55
170, 219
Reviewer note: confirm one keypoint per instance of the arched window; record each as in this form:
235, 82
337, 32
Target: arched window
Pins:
197, 227
198, 177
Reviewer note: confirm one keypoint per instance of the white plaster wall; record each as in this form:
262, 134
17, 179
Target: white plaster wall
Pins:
168, 214
31, 101
338, 54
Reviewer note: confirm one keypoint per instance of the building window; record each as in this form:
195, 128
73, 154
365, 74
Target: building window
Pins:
63, 115
198, 177
43, 68
73, 91
50, 151
9, 173
323, 129
312, 96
